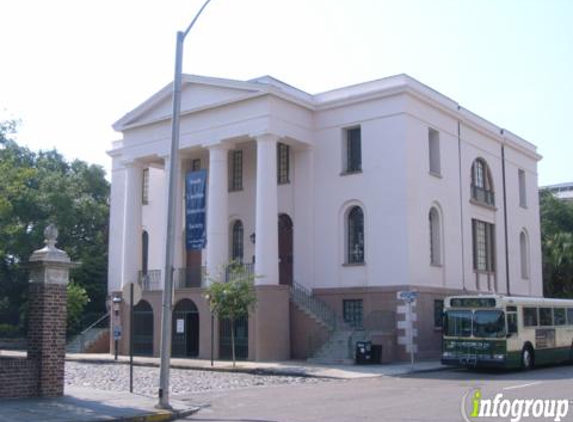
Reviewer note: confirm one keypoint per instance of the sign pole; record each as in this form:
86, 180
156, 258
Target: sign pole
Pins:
411, 317
131, 338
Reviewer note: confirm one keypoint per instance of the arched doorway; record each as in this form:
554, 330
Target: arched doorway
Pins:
143, 329
185, 334
285, 250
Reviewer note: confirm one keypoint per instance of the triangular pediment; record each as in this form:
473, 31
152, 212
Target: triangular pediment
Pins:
196, 93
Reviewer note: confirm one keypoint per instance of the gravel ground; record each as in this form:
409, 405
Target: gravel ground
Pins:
115, 377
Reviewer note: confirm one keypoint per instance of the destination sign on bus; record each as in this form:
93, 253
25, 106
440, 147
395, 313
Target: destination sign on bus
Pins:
472, 302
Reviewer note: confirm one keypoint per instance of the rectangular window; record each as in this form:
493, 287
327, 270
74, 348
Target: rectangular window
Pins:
438, 313
530, 317
483, 246
570, 316
434, 151
545, 317
559, 316
196, 164
236, 171
145, 187
283, 164
522, 190
352, 312
353, 150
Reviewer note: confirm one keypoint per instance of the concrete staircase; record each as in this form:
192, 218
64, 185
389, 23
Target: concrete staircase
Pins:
90, 336
339, 344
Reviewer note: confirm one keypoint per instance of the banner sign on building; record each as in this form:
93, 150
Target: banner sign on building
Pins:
195, 206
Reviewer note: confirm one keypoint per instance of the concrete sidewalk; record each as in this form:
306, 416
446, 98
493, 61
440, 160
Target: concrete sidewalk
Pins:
88, 405
300, 368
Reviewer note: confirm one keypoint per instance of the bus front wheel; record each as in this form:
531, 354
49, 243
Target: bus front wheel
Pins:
527, 357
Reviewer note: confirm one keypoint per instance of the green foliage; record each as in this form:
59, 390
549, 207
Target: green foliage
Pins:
41, 188
77, 300
234, 298
556, 245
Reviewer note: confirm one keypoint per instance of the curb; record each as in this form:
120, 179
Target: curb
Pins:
159, 416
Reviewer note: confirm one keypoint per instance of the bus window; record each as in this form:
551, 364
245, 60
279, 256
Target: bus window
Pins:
511, 323
530, 317
570, 316
489, 324
545, 316
458, 323
559, 316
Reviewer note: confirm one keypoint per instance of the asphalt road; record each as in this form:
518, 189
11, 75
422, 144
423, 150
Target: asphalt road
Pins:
435, 396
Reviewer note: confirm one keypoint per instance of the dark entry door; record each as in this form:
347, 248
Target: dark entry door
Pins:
143, 329
185, 334
285, 250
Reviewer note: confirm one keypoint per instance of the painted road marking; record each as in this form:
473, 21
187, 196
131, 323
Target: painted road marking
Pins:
514, 387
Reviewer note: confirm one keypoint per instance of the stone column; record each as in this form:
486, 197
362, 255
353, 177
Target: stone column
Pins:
131, 250
49, 270
271, 339
217, 210
266, 225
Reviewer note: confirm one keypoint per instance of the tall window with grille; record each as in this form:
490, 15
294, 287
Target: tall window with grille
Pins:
482, 184
355, 238
237, 247
483, 246
353, 150
236, 170
145, 187
283, 164
353, 313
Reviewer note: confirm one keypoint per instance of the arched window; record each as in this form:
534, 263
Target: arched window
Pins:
355, 238
144, 252
524, 254
482, 185
435, 238
237, 241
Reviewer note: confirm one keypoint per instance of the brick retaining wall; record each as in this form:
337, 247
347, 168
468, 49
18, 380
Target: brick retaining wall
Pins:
18, 377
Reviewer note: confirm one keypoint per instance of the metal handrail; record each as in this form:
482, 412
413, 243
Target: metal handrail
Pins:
304, 298
95, 323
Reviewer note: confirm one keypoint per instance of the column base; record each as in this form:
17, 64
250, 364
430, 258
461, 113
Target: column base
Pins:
270, 325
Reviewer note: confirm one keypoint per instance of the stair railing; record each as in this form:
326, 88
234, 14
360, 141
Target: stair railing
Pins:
81, 337
305, 299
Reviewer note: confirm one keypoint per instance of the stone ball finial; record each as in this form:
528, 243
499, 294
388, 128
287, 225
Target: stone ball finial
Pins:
51, 235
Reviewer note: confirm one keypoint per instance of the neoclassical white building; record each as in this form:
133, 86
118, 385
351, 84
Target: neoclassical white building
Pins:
336, 201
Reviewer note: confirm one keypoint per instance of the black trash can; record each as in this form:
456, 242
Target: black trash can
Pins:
376, 354
363, 352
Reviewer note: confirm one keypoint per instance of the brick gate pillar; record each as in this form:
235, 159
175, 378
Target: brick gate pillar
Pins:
49, 270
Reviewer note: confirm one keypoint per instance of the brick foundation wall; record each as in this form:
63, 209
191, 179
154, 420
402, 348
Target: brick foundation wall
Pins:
18, 377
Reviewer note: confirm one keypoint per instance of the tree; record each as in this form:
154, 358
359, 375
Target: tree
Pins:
557, 245
234, 298
41, 188
77, 300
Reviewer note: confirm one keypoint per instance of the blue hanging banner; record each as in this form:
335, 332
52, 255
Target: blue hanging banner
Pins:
195, 206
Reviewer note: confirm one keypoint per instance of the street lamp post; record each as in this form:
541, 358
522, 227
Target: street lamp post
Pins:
165, 348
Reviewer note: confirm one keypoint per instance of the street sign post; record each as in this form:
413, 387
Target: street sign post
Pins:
409, 297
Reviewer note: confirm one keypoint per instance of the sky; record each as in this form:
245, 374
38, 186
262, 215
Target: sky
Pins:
70, 68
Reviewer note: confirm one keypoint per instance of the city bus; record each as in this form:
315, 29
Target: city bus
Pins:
506, 331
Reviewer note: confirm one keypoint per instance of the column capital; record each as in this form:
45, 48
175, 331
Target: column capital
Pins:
267, 137
220, 146
131, 163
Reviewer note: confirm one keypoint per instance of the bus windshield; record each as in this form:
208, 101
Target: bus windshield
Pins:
458, 323
489, 324
482, 324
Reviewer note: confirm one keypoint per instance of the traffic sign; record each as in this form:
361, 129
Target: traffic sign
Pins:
116, 333
407, 296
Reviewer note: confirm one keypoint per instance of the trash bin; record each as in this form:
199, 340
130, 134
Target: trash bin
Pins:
363, 352
376, 354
